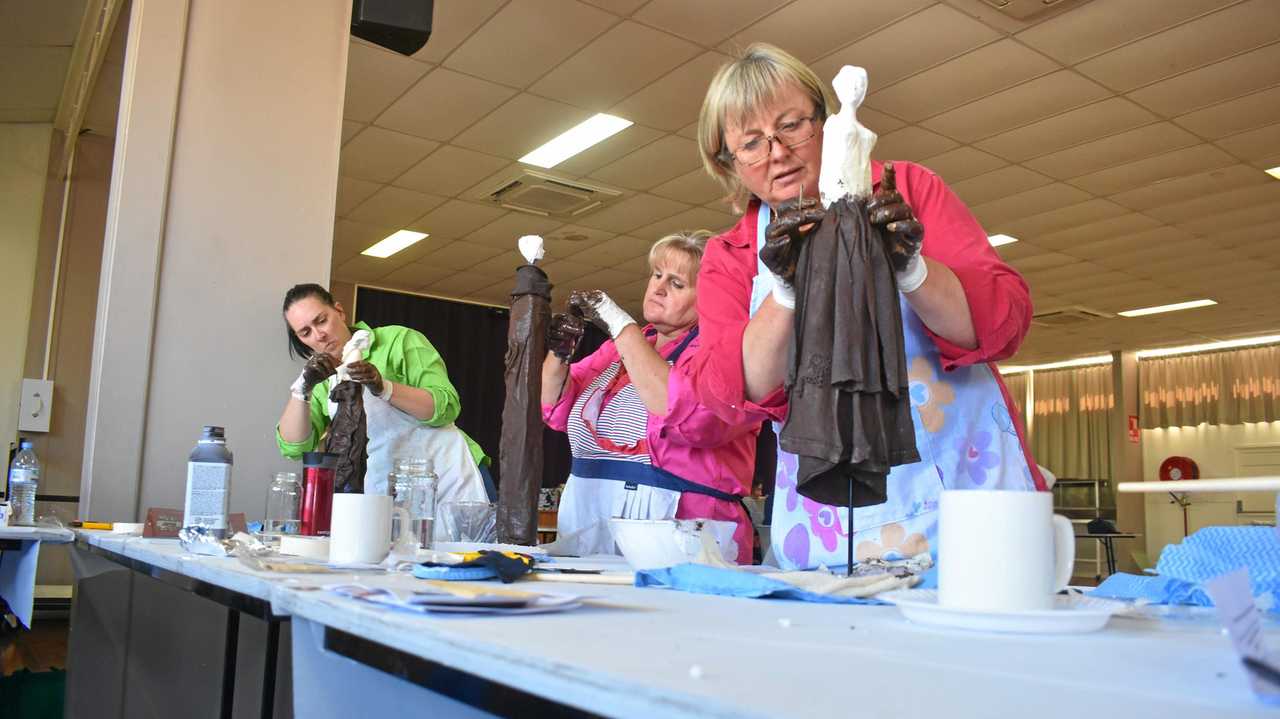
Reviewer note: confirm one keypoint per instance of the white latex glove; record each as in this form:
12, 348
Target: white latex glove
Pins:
299, 387
600, 309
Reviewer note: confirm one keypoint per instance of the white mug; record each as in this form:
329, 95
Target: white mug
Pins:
1002, 550
360, 529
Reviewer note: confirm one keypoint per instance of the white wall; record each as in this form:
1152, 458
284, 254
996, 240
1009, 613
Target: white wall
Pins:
24, 149
1213, 449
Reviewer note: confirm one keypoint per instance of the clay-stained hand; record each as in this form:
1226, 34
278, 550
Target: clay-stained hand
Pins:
319, 368
600, 310
793, 222
902, 232
563, 335
366, 374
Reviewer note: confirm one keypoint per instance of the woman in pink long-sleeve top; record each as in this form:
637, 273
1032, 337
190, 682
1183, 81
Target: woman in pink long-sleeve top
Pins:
761, 136
644, 447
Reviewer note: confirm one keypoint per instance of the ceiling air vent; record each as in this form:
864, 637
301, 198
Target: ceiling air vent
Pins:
1031, 9
550, 196
1068, 316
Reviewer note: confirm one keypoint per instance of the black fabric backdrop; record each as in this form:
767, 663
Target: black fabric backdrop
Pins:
472, 340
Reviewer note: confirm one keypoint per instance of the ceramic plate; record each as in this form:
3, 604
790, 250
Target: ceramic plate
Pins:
1072, 614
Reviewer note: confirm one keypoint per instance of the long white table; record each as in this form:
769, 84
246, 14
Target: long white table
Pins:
19, 555
633, 652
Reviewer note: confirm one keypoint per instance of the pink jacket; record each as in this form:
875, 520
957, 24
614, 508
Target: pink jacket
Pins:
690, 441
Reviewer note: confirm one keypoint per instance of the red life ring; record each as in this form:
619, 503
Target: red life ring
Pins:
1176, 468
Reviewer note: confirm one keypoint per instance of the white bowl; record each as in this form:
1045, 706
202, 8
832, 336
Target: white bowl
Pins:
661, 543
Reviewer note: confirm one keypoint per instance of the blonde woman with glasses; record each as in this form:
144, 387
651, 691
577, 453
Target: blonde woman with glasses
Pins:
760, 135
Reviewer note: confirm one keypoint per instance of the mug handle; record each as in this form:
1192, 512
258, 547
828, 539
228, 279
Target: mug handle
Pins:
1064, 551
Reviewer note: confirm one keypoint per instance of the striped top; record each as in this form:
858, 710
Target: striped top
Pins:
622, 419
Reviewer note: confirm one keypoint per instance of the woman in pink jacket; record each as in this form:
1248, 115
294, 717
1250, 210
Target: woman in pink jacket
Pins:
643, 446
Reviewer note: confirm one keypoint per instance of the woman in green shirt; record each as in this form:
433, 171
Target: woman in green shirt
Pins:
409, 402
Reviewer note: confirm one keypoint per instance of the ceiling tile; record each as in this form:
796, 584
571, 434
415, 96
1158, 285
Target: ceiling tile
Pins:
911, 143
501, 265
349, 129
567, 240
1209, 224
675, 99
1240, 236
394, 207
534, 37
633, 212
450, 170
351, 192
1254, 144
452, 23
32, 79
504, 231
706, 22
695, 187
621, 8
611, 252
962, 163
350, 237
937, 33
618, 63
1026, 103
420, 111
1142, 241
1190, 187
1063, 218
50, 22
1026, 204
1043, 261
698, 218
1112, 227
520, 126
382, 155
459, 284
456, 256
455, 219
416, 274
497, 294
1111, 151
1214, 200
363, 269
1186, 46
1097, 27
998, 183
880, 123
375, 78
564, 271
1070, 128
624, 143
810, 29
1224, 80
1233, 116
1186, 161
973, 75
652, 164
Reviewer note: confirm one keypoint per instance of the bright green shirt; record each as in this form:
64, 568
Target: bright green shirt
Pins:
404, 356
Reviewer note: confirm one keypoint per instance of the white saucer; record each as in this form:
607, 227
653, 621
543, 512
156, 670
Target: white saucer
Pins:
1073, 614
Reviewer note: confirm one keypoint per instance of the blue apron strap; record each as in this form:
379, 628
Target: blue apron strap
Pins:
680, 348
646, 474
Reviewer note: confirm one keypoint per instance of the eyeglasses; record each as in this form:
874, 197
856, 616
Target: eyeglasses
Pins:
791, 134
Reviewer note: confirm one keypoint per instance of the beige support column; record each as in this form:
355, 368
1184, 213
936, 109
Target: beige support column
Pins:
1126, 459
223, 194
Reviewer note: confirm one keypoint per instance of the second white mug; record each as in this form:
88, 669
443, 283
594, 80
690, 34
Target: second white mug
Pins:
1002, 550
360, 531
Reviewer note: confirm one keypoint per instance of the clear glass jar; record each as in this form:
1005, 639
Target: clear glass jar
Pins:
413, 485
284, 499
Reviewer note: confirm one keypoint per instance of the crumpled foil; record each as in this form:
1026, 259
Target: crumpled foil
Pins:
201, 540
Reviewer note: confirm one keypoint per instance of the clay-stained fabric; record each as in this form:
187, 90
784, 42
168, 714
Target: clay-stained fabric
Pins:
349, 437
850, 411
520, 450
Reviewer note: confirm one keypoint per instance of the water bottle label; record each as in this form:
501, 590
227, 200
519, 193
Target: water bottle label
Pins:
24, 475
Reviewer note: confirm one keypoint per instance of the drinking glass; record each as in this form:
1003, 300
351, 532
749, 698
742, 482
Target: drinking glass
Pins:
283, 504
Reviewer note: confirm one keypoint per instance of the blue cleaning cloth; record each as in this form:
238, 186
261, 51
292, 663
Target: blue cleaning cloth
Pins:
701, 579
1157, 590
454, 574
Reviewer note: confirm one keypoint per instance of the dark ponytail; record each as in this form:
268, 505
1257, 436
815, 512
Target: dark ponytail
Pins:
297, 348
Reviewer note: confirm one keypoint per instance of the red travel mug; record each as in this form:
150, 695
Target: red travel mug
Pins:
317, 492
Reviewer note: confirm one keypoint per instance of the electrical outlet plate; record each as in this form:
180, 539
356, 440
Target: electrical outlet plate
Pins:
36, 406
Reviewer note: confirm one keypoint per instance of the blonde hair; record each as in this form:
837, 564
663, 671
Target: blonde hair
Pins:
739, 89
689, 243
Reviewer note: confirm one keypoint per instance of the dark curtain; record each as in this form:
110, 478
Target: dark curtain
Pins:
472, 340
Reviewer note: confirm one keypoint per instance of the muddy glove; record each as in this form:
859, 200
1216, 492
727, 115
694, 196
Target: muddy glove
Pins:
318, 369
597, 308
366, 374
902, 232
563, 335
792, 223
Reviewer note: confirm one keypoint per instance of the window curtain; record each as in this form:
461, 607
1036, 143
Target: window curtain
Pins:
1231, 387
1072, 414
1017, 386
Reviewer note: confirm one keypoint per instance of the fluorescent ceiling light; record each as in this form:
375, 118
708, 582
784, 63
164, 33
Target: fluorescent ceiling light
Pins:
1274, 172
997, 240
595, 129
1210, 346
1077, 362
1166, 308
393, 243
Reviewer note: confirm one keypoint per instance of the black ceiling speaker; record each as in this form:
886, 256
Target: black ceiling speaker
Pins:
400, 25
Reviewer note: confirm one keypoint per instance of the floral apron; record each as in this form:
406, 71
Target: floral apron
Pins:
965, 437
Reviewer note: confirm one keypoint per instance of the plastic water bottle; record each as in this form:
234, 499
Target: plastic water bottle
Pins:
24, 474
